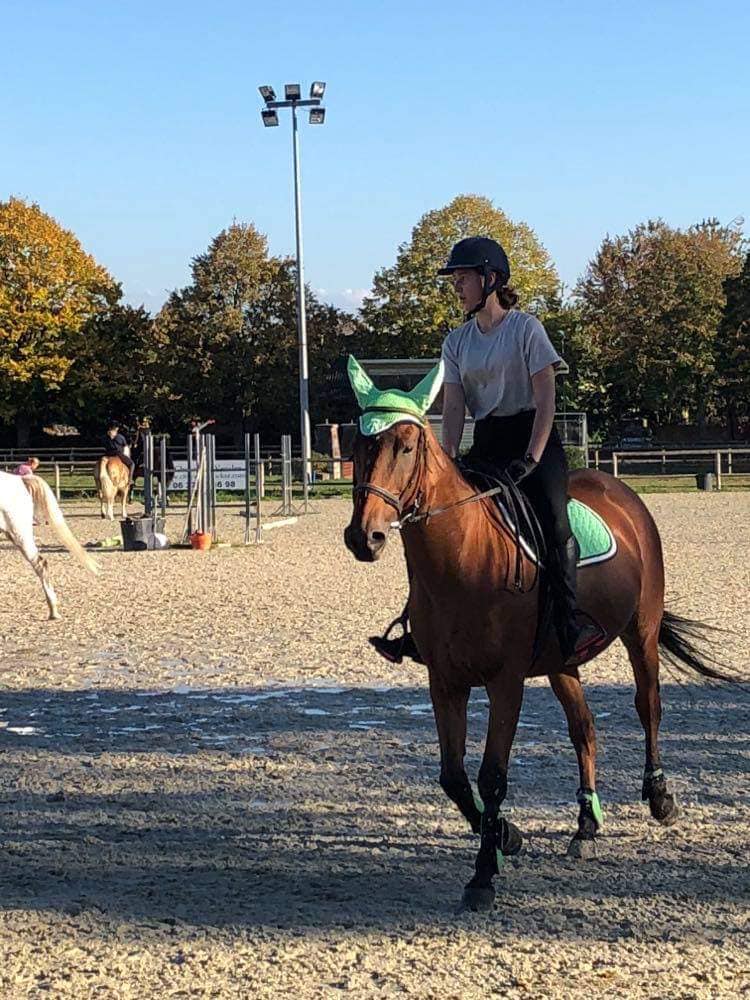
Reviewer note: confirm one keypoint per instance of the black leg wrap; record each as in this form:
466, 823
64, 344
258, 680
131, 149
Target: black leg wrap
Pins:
661, 803
509, 840
654, 784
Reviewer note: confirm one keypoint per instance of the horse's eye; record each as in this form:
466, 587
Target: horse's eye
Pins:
408, 449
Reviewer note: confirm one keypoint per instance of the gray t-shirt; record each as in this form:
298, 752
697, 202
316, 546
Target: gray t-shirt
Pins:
495, 368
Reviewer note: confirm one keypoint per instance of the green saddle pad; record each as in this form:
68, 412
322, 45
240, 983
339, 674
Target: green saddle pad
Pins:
595, 540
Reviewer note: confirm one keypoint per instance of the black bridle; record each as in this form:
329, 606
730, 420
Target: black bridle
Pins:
412, 487
514, 501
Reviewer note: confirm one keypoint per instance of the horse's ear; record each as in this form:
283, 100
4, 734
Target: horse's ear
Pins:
360, 381
424, 392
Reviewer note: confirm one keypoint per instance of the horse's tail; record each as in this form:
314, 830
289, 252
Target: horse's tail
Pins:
48, 508
106, 486
681, 640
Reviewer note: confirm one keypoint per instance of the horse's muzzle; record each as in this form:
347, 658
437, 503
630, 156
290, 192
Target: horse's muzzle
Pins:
365, 546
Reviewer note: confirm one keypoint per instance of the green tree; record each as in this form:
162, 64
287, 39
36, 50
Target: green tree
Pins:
49, 290
582, 388
411, 309
118, 372
733, 350
651, 302
229, 339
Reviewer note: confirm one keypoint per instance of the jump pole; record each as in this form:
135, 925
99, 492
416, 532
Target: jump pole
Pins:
148, 467
163, 475
258, 460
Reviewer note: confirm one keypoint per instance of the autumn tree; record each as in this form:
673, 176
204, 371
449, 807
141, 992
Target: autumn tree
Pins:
229, 339
50, 288
651, 303
411, 309
733, 351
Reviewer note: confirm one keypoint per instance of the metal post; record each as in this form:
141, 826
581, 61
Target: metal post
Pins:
247, 487
718, 470
286, 475
614, 464
57, 481
148, 466
211, 469
258, 527
729, 462
163, 474
304, 394
189, 454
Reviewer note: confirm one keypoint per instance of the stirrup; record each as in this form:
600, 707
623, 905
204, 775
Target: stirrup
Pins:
589, 641
394, 650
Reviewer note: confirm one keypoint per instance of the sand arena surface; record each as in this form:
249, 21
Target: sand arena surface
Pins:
211, 787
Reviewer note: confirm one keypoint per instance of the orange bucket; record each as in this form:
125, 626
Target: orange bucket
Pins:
201, 540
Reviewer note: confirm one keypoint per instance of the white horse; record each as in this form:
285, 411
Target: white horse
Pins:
20, 498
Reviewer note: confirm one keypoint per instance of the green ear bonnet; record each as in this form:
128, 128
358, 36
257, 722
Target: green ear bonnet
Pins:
384, 408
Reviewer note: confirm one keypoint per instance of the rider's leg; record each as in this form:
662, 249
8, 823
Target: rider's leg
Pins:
130, 465
547, 488
395, 649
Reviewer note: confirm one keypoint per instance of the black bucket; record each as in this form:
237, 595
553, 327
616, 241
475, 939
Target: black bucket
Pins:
138, 533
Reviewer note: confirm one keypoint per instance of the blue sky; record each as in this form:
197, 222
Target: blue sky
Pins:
138, 126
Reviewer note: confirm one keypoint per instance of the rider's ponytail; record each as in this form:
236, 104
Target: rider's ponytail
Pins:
507, 296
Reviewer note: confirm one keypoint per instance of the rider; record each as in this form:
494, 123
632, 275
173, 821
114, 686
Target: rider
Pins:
500, 364
27, 468
115, 444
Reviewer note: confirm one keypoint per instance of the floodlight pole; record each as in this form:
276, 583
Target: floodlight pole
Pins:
304, 380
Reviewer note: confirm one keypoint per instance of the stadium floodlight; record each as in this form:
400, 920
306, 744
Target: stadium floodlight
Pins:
293, 101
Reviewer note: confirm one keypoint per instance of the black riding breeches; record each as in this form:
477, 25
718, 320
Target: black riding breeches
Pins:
498, 440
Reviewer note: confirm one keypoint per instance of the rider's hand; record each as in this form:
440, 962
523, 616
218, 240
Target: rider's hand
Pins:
520, 468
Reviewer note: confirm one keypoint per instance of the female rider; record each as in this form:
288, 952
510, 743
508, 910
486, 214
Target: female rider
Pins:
500, 364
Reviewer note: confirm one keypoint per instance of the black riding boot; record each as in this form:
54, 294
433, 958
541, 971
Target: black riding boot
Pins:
575, 634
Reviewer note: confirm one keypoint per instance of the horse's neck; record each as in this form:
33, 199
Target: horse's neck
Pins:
446, 545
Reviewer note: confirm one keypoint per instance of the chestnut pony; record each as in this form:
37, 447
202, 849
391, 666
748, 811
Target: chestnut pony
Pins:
474, 627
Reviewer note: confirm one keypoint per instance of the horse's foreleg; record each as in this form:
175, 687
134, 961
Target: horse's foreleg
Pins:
570, 694
643, 651
450, 717
499, 837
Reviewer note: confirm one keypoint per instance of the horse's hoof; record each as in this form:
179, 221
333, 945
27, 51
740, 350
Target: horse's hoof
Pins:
664, 809
477, 899
513, 842
582, 849
55, 617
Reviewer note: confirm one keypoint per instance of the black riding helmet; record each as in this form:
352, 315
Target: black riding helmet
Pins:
482, 254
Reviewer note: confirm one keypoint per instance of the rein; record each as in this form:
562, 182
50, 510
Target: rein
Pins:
514, 501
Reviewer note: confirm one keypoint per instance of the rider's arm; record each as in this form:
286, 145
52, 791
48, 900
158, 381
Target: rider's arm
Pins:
543, 386
454, 411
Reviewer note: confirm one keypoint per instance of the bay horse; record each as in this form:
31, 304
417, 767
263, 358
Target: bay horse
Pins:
474, 626
20, 498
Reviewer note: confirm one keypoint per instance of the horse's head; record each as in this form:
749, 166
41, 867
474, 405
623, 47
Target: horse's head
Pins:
389, 458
